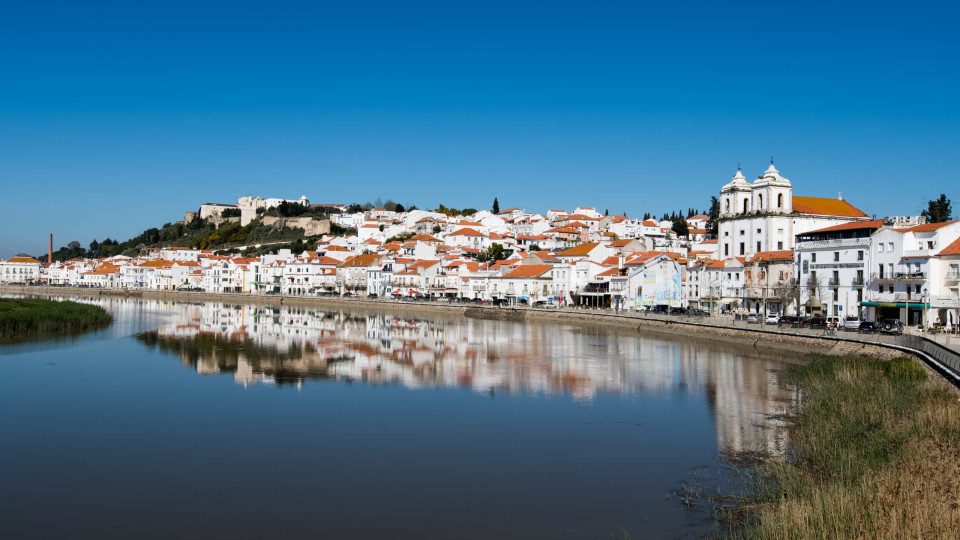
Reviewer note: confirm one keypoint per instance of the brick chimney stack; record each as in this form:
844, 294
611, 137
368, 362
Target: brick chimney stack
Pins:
50, 252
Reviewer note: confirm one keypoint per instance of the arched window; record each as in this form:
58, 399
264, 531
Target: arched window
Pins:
746, 205
726, 205
759, 202
780, 200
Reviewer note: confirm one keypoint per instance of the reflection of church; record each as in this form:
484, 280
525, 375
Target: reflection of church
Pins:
291, 345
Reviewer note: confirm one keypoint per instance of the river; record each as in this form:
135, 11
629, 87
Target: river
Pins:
225, 421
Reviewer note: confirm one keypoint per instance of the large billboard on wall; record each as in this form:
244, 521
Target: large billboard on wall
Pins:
657, 283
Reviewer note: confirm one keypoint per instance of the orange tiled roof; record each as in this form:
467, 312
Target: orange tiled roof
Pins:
578, 251
529, 271
952, 249
825, 207
927, 227
466, 231
783, 255
30, 260
872, 224
359, 261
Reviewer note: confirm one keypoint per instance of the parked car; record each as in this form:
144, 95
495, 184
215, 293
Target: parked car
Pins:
818, 320
851, 323
753, 318
698, 312
790, 319
772, 318
540, 303
834, 322
867, 327
678, 311
662, 308
891, 326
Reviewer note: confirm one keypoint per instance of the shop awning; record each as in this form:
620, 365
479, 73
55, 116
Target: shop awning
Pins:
913, 305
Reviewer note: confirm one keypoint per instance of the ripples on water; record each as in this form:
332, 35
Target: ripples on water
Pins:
563, 431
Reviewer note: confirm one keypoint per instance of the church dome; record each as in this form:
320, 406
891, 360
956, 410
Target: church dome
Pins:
771, 177
739, 182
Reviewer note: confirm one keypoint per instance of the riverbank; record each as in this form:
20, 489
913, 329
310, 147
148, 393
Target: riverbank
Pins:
875, 454
23, 319
714, 330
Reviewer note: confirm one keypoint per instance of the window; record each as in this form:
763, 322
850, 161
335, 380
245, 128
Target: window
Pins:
780, 200
860, 255
880, 247
726, 205
890, 247
836, 276
930, 244
780, 246
726, 250
759, 202
917, 289
746, 205
836, 295
836, 256
742, 232
813, 257
758, 247
859, 295
758, 231
743, 249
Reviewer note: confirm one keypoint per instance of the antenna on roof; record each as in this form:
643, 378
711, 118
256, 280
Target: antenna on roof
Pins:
738, 166
771, 160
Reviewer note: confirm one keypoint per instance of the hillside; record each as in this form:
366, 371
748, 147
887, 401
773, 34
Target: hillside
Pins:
202, 234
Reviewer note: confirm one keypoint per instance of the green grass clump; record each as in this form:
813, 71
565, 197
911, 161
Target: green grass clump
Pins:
875, 454
23, 319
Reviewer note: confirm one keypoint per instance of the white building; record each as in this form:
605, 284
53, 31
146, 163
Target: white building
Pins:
766, 216
20, 269
833, 264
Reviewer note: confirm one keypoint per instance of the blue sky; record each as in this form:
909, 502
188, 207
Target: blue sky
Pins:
119, 116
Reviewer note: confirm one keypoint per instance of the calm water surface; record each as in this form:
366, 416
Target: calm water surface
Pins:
218, 421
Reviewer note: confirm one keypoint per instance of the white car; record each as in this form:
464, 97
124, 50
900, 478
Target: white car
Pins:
772, 318
852, 323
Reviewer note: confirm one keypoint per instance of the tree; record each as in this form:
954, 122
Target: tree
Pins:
94, 246
74, 245
496, 206
606, 212
496, 252
437, 229
534, 247
399, 209
714, 224
938, 211
680, 227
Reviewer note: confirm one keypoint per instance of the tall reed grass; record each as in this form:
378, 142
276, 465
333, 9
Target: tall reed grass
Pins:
875, 454
23, 319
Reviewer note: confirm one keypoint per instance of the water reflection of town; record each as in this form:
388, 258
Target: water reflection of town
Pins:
257, 344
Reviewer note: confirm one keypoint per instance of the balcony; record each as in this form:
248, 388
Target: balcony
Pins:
952, 277
882, 279
910, 277
857, 282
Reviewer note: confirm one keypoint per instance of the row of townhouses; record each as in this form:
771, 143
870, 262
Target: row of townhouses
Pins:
774, 252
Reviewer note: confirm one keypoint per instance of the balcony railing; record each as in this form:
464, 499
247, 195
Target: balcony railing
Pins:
910, 276
857, 282
953, 276
877, 278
